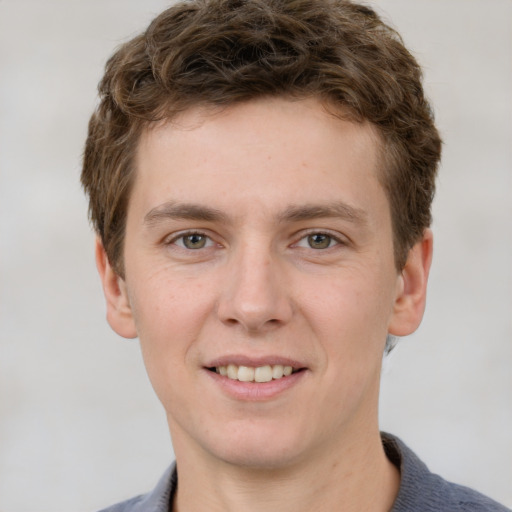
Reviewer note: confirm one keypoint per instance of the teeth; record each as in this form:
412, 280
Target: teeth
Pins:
263, 374
277, 371
245, 374
260, 374
232, 371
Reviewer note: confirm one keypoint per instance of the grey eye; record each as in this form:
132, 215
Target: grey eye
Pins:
319, 241
194, 241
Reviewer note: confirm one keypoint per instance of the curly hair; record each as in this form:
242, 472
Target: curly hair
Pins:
223, 52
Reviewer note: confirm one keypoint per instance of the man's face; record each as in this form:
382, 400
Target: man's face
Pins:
258, 239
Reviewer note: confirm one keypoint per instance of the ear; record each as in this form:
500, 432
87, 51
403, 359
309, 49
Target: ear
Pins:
412, 288
119, 311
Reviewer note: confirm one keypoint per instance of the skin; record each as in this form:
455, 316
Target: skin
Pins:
256, 180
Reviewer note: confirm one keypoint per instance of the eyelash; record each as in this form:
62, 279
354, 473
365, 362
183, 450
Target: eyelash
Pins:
182, 236
333, 240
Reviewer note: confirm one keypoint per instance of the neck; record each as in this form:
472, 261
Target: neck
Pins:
357, 477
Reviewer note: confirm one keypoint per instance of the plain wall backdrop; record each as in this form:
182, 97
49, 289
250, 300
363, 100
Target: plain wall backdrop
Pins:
80, 427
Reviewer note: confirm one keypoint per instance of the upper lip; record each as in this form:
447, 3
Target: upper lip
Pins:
254, 362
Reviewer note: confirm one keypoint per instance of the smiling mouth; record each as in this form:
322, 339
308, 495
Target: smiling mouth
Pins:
265, 373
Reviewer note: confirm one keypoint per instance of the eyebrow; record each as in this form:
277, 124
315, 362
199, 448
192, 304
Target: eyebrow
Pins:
294, 213
330, 210
186, 211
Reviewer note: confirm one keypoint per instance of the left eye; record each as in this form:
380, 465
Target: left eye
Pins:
193, 241
318, 241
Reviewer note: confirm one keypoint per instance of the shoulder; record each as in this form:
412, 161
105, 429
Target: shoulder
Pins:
158, 500
421, 490
126, 506
472, 501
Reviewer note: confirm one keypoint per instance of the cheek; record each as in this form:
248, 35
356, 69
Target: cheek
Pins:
167, 323
350, 316
168, 315
353, 301
169, 304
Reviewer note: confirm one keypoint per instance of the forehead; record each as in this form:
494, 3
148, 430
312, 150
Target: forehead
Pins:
269, 153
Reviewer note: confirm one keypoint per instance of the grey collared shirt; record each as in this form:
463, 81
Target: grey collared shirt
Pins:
420, 490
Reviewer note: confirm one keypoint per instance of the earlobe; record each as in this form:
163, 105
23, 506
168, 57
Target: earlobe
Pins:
119, 311
412, 288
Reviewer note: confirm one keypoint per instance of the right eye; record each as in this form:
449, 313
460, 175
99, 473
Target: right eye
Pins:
192, 241
320, 241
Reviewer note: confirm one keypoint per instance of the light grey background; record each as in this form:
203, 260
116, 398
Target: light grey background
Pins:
79, 425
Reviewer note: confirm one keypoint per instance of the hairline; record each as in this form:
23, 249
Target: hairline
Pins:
340, 111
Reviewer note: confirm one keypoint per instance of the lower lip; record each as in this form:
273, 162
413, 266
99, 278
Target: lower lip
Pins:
256, 391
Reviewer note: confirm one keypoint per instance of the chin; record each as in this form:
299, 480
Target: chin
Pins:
259, 458
259, 448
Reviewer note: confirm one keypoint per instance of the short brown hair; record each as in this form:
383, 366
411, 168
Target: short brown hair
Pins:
222, 52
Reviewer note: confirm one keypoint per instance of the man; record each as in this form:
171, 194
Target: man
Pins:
260, 177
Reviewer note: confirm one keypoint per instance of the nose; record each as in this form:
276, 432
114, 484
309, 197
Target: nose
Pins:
255, 292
